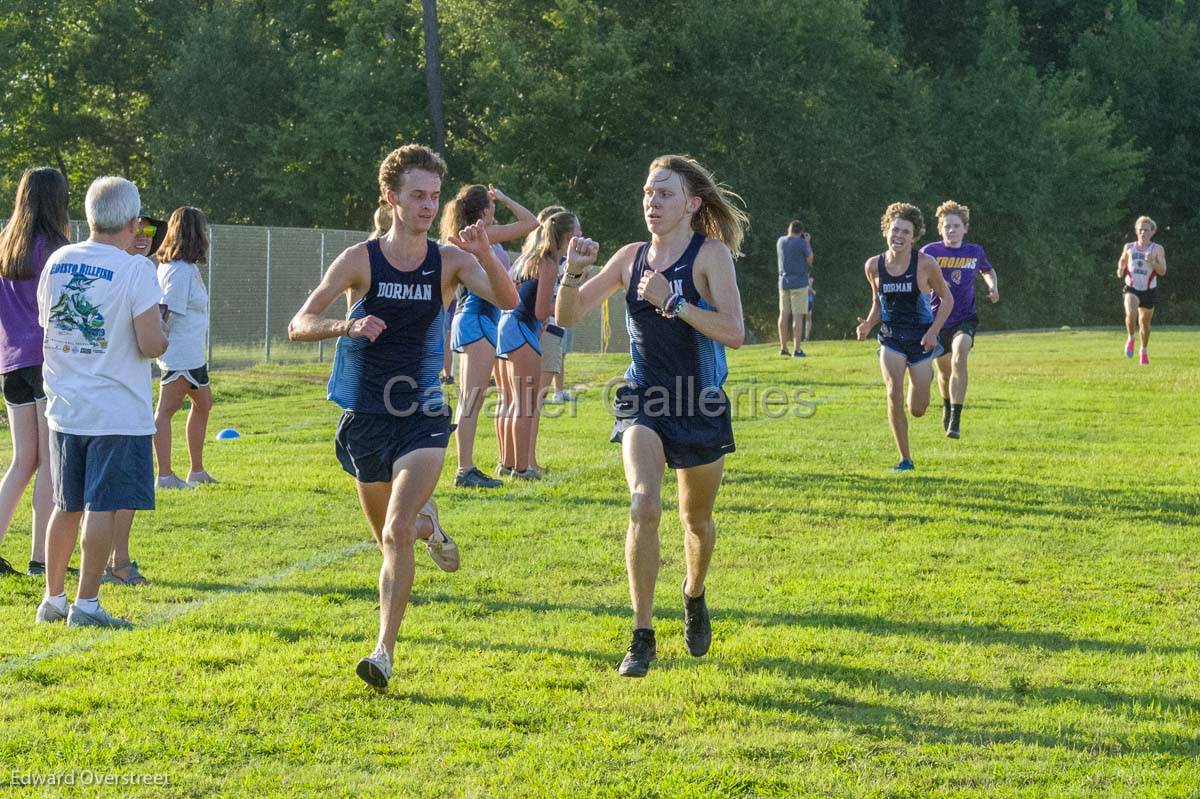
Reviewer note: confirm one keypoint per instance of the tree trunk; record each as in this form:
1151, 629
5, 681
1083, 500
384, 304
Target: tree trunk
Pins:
433, 75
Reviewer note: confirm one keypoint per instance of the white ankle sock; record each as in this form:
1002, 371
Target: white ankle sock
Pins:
59, 601
88, 605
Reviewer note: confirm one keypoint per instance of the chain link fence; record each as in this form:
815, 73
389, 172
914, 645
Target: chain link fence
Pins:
258, 277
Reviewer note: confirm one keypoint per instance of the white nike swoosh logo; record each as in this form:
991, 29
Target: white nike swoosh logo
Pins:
427, 274
435, 435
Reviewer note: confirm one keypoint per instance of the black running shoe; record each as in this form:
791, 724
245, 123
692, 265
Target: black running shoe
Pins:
641, 651
697, 624
952, 431
784, 353
38, 569
6, 568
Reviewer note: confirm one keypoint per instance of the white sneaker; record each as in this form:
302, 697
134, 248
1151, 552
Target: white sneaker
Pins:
375, 670
555, 398
48, 613
201, 477
440, 546
171, 481
78, 617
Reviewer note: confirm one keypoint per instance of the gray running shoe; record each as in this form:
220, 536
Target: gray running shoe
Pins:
475, 479
48, 613
171, 481
201, 477
505, 471
78, 617
440, 546
135, 577
528, 474
375, 670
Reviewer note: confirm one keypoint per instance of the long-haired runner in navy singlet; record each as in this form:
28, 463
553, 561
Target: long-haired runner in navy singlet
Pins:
392, 437
683, 308
473, 332
901, 280
1141, 264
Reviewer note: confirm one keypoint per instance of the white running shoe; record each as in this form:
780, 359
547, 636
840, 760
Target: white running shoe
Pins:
441, 547
171, 481
78, 617
201, 477
49, 613
375, 670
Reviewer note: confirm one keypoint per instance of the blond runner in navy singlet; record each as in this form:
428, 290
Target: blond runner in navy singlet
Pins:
682, 309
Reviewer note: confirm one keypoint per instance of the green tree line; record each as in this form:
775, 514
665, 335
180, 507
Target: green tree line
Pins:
1058, 123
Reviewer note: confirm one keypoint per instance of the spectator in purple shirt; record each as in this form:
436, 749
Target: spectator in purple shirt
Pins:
39, 225
960, 263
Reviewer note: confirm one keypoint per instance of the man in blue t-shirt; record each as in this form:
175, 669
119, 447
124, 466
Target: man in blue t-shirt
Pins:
795, 256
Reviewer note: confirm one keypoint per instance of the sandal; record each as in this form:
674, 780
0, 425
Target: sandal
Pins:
135, 577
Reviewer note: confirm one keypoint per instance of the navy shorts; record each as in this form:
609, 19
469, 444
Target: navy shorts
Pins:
910, 348
102, 473
23, 386
368, 444
967, 327
687, 441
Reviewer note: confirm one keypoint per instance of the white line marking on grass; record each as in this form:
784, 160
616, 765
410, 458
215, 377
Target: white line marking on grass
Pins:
173, 612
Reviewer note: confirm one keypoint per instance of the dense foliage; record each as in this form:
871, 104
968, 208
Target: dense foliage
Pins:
1058, 123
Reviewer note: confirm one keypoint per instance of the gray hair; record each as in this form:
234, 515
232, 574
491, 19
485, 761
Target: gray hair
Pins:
110, 204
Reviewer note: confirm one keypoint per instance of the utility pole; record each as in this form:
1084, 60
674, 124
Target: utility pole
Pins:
433, 75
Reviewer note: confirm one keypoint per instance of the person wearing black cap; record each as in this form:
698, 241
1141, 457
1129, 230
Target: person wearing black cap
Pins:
121, 569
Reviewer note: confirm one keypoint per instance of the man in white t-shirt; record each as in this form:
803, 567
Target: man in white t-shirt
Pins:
99, 307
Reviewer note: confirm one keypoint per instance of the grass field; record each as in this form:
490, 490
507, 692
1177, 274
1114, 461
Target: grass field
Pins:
1017, 618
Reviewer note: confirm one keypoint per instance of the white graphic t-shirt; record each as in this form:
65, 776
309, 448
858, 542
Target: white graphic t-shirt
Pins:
97, 380
184, 295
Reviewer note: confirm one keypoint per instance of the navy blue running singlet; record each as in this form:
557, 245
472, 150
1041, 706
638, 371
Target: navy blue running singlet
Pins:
669, 353
904, 308
398, 373
527, 289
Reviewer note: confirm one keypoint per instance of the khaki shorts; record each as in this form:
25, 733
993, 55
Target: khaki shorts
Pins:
552, 349
795, 300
